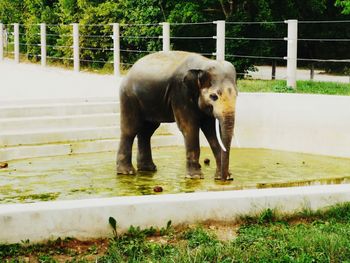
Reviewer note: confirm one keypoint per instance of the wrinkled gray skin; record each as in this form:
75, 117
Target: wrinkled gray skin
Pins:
183, 87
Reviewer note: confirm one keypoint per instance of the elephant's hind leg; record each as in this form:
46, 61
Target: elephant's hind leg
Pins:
124, 165
129, 124
144, 157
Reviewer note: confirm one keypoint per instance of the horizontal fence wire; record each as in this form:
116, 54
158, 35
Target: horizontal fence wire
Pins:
190, 24
97, 48
323, 22
259, 57
59, 25
324, 60
130, 25
57, 46
97, 36
95, 25
254, 22
325, 39
33, 54
30, 45
256, 38
142, 37
60, 58
207, 54
129, 64
254, 74
58, 35
98, 61
137, 51
192, 37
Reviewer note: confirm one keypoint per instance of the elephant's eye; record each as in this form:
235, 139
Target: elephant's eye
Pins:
213, 96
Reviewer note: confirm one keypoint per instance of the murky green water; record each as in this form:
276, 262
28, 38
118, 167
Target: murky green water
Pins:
93, 175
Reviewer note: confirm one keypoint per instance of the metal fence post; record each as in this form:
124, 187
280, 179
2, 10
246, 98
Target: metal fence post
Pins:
166, 36
292, 49
76, 55
220, 40
43, 43
116, 49
16, 41
1, 42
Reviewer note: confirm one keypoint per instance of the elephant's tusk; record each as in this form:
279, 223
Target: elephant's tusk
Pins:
218, 136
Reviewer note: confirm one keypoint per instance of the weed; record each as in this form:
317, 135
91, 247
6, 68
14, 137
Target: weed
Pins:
113, 224
199, 236
267, 216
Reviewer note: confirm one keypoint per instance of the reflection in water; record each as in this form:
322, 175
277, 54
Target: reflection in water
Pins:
93, 175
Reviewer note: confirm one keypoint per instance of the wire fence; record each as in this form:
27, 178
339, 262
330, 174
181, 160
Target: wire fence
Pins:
105, 45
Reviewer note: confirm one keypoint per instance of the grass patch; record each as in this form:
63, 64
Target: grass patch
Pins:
307, 87
321, 236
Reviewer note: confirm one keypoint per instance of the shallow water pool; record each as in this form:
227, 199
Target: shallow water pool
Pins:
93, 175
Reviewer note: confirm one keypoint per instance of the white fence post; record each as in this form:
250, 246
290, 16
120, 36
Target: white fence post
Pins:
43, 43
116, 49
76, 55
166, 36
220, 40
292, 50
16, 41
1, 42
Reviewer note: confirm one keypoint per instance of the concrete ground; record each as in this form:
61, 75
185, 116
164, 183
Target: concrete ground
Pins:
25, 81
264, 72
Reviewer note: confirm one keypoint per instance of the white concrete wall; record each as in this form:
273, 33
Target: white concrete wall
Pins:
315, 124
85, 219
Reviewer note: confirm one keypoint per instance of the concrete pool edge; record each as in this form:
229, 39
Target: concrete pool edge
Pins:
84, 219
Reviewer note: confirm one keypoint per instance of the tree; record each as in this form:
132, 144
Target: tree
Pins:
345, 4
137, 40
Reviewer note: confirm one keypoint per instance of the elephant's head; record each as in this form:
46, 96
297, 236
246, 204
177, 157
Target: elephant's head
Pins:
217, 92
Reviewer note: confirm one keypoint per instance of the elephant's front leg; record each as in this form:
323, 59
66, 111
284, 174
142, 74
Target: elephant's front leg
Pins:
190, 132
192, 154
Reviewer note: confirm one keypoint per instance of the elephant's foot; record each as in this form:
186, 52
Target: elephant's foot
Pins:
147, 167
194, 171
194, 174
219, 177
125, 169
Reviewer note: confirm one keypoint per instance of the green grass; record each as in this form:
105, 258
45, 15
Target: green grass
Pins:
309, 87
322, 236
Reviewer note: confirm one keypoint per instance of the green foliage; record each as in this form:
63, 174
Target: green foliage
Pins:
133, 38
345, 4
11, 11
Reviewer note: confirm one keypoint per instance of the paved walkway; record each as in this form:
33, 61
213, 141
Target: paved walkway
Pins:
24, 81
264, 72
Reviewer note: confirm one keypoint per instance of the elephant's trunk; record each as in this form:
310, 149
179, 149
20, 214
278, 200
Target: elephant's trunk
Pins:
227, 126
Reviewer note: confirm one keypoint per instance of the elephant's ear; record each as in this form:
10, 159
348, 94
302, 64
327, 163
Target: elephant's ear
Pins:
198, 78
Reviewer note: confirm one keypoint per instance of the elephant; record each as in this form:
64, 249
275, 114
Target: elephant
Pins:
196, 92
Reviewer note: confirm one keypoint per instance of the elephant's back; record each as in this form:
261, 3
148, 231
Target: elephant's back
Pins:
160, 66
